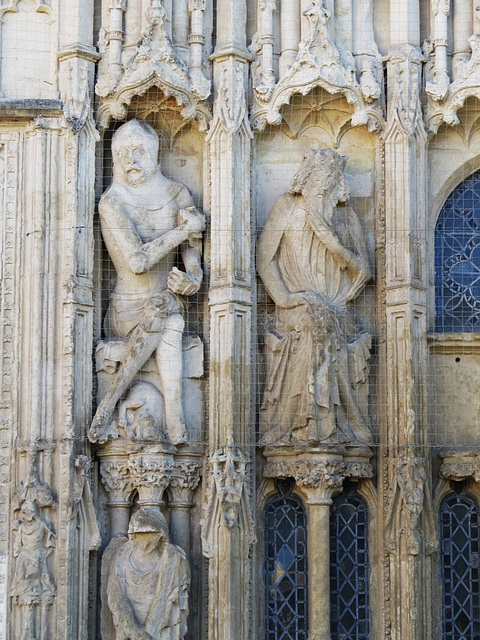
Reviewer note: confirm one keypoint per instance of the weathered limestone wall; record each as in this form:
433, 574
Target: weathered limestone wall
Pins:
179, 338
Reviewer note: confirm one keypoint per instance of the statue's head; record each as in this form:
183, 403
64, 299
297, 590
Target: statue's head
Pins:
321, 174
28, 510
135, 151
148, 528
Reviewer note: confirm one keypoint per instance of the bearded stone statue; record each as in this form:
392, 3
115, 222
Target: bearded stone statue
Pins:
313, 261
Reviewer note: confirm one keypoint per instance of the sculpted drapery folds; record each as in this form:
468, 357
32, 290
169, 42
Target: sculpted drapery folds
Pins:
147, 219
32, 585
149, 581
313, 261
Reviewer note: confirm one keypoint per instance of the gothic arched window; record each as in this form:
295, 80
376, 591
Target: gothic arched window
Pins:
349, 567
460, 561
285, 566
457, 259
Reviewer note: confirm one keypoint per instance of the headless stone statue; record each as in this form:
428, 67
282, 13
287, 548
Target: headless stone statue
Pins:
313, 261
148, 586
147, 220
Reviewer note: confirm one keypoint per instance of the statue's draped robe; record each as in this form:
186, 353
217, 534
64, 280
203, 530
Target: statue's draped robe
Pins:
157, 597
316, 360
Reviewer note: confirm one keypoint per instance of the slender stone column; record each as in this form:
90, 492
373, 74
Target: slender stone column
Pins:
290, 34
184, 481
406, 491
319, 499
227, 532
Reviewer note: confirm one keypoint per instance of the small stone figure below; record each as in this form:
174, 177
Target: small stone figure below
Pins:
312, 259
32, 586
149, 581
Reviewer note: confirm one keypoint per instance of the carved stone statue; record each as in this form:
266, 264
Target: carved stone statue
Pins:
32, 585
312, 259
147, 219
147, 590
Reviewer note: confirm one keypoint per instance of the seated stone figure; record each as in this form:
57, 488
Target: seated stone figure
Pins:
147, 589
147, 220
313, 261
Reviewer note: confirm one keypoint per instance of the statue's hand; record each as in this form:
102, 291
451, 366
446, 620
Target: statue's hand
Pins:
138, 262
193, 220
184, 284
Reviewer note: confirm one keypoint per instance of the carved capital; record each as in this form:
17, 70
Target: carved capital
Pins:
184, 480
441, 6
308, 473
117, 4
461, 467
116, 479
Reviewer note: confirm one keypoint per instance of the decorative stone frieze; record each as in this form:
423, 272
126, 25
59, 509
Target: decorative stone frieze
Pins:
460, 466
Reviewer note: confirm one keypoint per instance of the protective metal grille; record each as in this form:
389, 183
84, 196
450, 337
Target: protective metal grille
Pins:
285, 566
457, 259
460, 567
349, 567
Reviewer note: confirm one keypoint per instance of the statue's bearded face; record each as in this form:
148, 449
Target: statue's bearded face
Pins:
327, 181
133, 161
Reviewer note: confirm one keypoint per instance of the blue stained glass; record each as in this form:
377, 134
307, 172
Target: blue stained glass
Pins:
349, 567
460, 561
457, 259
285, 566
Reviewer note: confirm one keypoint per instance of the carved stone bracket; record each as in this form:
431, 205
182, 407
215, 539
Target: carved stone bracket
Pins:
154, 64
319, 63
184, 479
460, 466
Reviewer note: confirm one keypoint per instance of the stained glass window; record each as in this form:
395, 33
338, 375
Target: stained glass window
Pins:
457, 259
285, 566
349, 567
460, 562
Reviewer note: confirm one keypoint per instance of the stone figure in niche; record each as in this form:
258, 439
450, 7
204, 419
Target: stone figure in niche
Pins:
312, 259
148, 586
32, 585
147, 221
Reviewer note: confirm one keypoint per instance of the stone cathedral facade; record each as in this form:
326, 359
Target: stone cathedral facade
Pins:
240, 320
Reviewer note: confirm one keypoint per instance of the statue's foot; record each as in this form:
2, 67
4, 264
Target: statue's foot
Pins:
177, 431
101, 427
